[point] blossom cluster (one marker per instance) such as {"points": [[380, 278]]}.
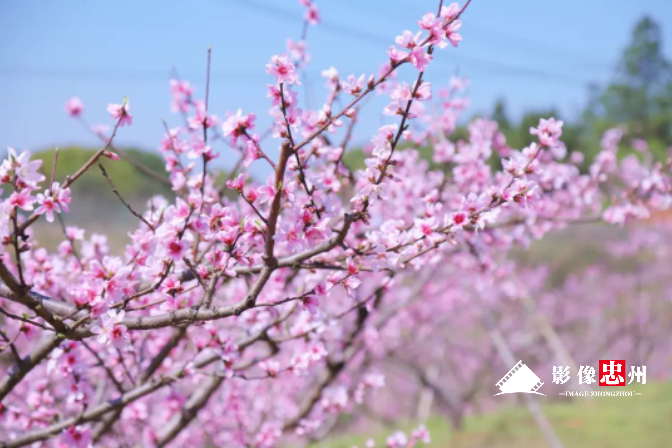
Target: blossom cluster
{"points": [[251, 312]]}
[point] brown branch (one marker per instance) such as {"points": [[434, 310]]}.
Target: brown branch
{"points": [[18, 293], [203, 393], [352, 103], [334, 368], [274, 213], [17, 372], [195, 403], [130, 396], [127, 157], [11, 346], [69, 180], [102, 364], [110, 420], [72, 242], [205, 128], [126, 204], [51, 310], [193, 270], [302, 174], [53, 168], [24, 319], [15, 244]]}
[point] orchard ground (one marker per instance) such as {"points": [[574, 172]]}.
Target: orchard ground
{"points": [[602, 422]]}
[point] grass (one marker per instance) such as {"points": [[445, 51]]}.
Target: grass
{"points": [[603, 422]]}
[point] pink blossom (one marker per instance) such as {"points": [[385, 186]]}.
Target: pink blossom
{"points": [[74, 106], [312, 15], [112, 273], [26, 170], [397, 440], [622, 214], [429, 21], [237, 125], [396, 55], [171, 286], [424, 227], [270, 367], [177, 249], [22, 200], [282, 68], [77, 437], [291, 233], [267, 436], [61, 196], [331, 74], [450, 12], [350, 283], [311, 303], [408, 40], [420, 59], [640, 145], [444, 151], [402, 93], [354, 86], [353, 268], [459, 219], [298, 51], [548, 131], [250, 152], [111, 330], [121, 112], [422, 434], [201, 120], [424, 92], [229, 354], [47, 206], [237, 184], [451, 33]]}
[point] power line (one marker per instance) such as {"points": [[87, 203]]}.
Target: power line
{"points": [[484, 65], [359, 35], [246, 77], [116, 73]]}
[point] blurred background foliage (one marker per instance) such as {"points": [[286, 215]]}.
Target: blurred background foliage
{"points": [[600, 422], [95, 206], [129, 181]]}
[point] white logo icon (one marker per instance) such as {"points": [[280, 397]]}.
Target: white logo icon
{"points": [[520, 379]]}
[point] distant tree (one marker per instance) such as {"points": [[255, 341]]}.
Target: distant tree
{"points": [[500, 115], [640, 95], [516, 132]]}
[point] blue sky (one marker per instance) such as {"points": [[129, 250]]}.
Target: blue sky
{"points": [[533, 53]]}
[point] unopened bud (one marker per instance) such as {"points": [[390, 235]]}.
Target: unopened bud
{"points": [[111, 155]]}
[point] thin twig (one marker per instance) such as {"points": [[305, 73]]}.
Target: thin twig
{"points": [[72, 241], [53, 167], [128, 206]]}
